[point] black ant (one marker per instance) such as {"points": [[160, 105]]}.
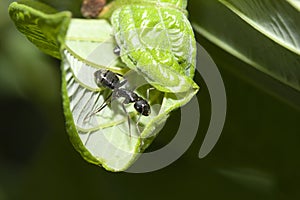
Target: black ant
{"points": [[108, 79]]}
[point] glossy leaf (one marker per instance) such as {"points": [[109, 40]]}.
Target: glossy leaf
{"points": [[278, 21], [262, 33]]}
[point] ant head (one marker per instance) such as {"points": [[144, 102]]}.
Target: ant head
{"points": [[98, 76], [142, 107], [106, 78]]}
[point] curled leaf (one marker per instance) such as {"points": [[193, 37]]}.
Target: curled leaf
{"points": [[41, 24], [157, 41]]}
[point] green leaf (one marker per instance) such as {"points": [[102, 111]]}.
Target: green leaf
{"points": [[104, 138], [41, 24], [262, 33], [277, 21], [295, 4], [157, 40]]}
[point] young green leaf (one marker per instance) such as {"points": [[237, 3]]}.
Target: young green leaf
{"points": [[41, 24], [157, 40]]}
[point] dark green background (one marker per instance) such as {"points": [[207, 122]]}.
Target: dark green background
{"points": [[257, 156]]}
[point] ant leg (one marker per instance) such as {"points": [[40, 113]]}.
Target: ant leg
{"points": [[91, 112], [137, 124], [138, 128], [148, 92], [103, 105], [121, 75], [128, 118], [106, 102], [93, 107]]}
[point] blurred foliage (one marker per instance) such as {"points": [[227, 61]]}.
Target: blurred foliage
{"points": [[264, 34], [257, 156]]}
